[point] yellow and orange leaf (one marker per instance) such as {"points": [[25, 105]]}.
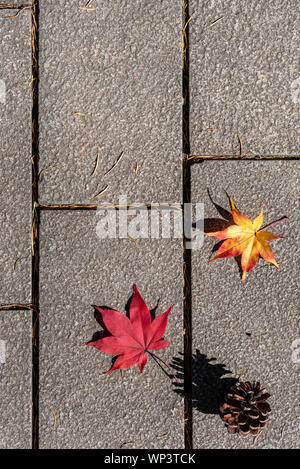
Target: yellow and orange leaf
{"points": [[246, 239]]}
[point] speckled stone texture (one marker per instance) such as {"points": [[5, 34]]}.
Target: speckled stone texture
{"points": [[244, 76], [94, 410], [15, 153], [15, 379], [120, 66], [249, 328]]}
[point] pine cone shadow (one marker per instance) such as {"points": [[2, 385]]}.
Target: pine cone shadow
{"points": [[209, 386]]}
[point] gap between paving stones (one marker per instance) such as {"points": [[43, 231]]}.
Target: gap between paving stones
{"points": [[196, 158], [35, 223], [187, 260]]}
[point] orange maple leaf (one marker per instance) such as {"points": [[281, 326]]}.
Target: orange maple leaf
{"points": [[246, 239]]}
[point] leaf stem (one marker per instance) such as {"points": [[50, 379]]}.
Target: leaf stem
{"points": [[274, 223], [155, 356]]}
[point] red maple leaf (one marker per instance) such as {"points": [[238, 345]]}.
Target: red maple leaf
{"points": [[132, 337]]}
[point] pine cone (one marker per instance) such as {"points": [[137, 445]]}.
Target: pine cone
{"points": [[245, 409]]}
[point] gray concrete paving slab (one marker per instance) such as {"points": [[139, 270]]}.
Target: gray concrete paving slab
{"points": [[15, 170], [94, 410], [15, 379], [110, 83], [251, 328], [244, 76]]}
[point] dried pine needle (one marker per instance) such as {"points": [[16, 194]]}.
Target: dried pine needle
{"points": [[136, 167], [101, 192], [54, 418], [96, 165], [176, 207], [216, 21], [11, 6], [138, 206], [34, 21], [34, 228], [242, 157], [184, 36], [16, 306], [282, 431], [115, 164], [126, 443], [256, 438], [184, 42], [46, 169], [132, 239], [87, 9], [18, 12], [16, 261], [241, 145], [68, 206], [164, 435], [32, 242], [81, 114], [185, 26]]}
